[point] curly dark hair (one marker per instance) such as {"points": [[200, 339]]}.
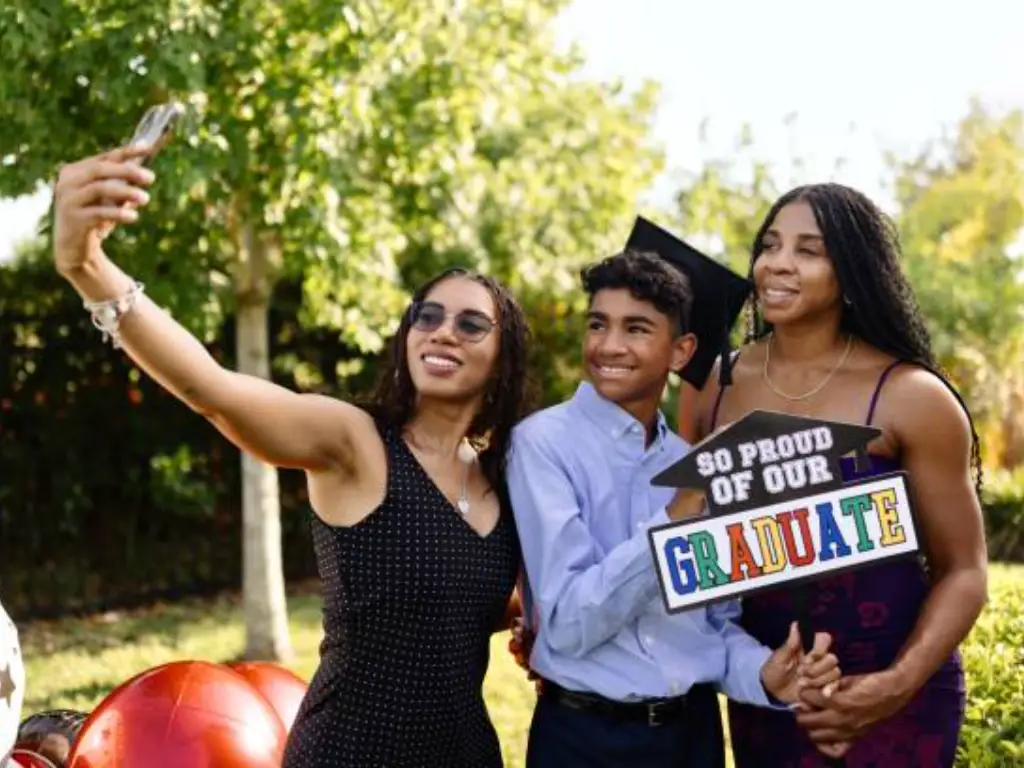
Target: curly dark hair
{"points": [[879, 305], [393, 401], [648, 278]]}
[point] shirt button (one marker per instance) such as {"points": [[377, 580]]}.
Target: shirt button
{"points": [[648, 641]]}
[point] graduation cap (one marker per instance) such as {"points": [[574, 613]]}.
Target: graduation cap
{"points": [[718, 298], [764, 439]]}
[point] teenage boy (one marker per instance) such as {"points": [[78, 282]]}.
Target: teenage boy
{"points": [[624, 683]]}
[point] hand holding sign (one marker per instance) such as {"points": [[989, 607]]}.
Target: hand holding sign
{"points": [[788, 672]]}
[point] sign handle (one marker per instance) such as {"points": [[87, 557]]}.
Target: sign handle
{"points": [[803, 622]]}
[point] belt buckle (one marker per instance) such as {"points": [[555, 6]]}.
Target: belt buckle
{"points": [[652, 714]]}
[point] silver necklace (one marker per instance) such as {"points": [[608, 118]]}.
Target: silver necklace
{"points": [[817, 389], [467, 455]]}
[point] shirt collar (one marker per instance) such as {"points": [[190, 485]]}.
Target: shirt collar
{"points": [[613, 418]]}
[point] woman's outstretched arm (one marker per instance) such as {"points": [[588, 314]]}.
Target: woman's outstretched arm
{"points": [[277, 425]]}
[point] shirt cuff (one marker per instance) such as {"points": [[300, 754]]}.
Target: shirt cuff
{"points": [[750, 670]]}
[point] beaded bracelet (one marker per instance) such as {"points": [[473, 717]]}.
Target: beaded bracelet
{"points": [[106, 315]]}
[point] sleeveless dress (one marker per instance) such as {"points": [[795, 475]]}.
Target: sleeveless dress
{"points": [[411, 596], [870, 613]]}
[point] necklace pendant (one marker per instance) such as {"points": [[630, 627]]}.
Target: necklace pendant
{"points": [[464, 506]]}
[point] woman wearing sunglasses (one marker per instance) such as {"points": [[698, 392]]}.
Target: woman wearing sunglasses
{"points": [[414, 538]]}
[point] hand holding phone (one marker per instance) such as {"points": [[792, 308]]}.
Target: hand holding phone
{"points": [[155, 129], [94, 195]]}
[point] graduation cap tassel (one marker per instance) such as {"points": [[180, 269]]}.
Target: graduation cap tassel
{"points": [[725, 369]]}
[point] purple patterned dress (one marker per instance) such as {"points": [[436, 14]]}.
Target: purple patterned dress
{"points": [[870, 614]]}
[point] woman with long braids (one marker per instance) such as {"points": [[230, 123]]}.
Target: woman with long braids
{"points": [[836, 334], [414, 538]]}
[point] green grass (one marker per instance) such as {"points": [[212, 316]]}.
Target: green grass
{"points": [[75, 663]]}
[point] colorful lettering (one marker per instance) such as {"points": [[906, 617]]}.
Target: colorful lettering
{"points": [[786, 523], [742, 558], [769, 537], [855, 507], [830, 536], [705, 553], [888, 517], [677, 553]]}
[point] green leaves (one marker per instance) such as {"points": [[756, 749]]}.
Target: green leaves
{"points": [[994, 660], [962, 212], [374, 143]]}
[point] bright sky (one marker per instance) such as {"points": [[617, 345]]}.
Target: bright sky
{"points": [[861, 78]]}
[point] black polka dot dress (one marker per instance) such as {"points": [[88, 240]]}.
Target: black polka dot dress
{"points": [[411, 596]]}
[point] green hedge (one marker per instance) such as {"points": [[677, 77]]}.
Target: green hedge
{"points": [[1004, 515], [994, 658]]}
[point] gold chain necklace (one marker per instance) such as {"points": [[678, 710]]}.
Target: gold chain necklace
{"points": [[817, 389]]}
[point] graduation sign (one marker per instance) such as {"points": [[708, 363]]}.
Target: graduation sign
{"points": [[779, 511]]}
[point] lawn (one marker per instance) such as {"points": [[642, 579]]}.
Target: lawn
{"points": [[74, 663]]}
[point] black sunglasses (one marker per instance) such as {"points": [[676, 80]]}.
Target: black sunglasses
{"points": [[470, 325]]}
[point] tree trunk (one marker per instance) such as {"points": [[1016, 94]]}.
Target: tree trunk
{"points": [[263, 594], [1013, 426]]}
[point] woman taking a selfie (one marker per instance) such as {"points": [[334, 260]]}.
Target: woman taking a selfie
{"points": [[414, 539], [837, 336]]}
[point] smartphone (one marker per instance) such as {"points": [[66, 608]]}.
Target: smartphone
{"points": [[156, 127]]}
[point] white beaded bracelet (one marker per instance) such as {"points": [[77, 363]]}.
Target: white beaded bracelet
{"points": [[106, 315]]}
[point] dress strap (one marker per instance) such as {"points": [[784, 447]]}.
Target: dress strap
{"points": [[878, 389]]}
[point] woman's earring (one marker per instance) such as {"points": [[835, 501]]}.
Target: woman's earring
{"points": [[846, 300], [467, 453], [751, 319]]}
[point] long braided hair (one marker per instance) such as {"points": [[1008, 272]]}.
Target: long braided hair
{"points": [[863, 244]]}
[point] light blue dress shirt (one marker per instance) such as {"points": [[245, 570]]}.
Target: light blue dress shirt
{"points": [[579, 476]]}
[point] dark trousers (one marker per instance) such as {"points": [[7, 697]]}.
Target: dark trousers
{"points": [[564, 737]]}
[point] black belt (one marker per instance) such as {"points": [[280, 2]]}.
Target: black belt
{"points": [[654, 712]]}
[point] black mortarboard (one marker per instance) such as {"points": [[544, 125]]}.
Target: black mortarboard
{"points": [[791, 437], [718, 298]]}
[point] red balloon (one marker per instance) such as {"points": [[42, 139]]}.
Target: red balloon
{"points": [[26, 758], [186, 714], [282, 688]]}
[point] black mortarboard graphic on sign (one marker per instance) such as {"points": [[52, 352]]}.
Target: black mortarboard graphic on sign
{"points": [[766, 458], [718, 295]]}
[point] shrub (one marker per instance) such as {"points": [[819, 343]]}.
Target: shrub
{"points": [[993, 736], [1004, 514]]}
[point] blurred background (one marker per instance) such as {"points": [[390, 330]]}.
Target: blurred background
{"points": [[335, 154]]}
